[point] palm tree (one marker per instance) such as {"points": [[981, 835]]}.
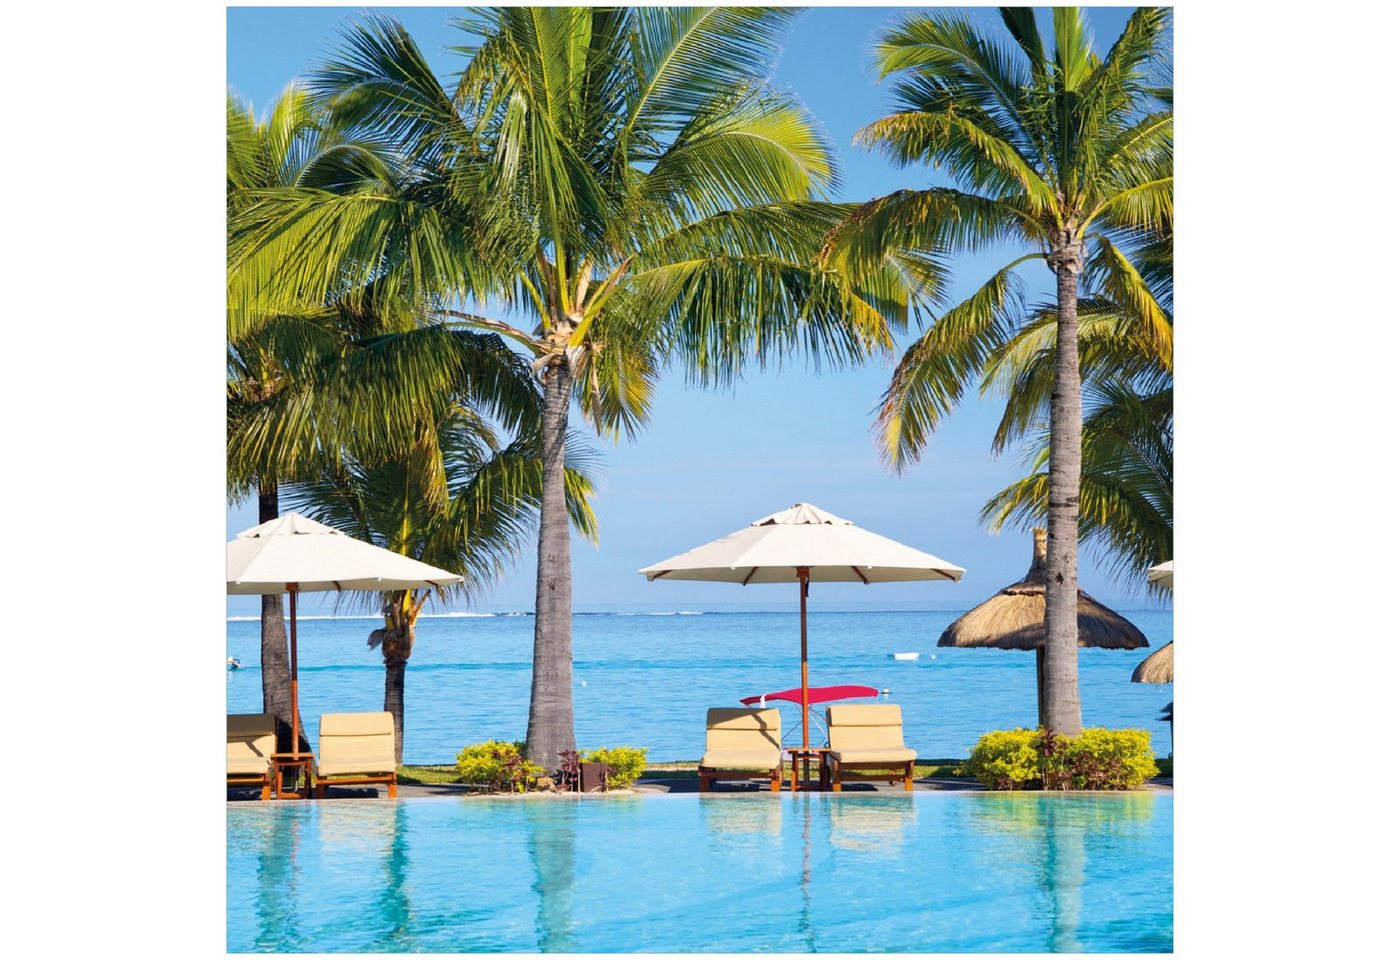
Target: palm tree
{"points": [[303, 381], [1125, 497], [1125, 503], [1062, 151], [265, 156], [477, 532], [625, 180]]}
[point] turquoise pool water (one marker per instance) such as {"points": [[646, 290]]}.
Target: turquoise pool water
{"points": [[926, 872]]}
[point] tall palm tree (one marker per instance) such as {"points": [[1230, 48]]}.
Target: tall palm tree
{"points": [[1125, 497], [1056, 149], [632, 189], [266, 156], [1125, 503], [304, 380], [493, 494]]}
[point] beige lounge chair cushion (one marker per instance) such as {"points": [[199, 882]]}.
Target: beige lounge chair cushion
{"points": [[252, 740], [760, 760], [356, 744], [901, 755], [742, 738], [867, 733]]}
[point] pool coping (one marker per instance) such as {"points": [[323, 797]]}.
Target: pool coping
{"points": [[679, 786]]}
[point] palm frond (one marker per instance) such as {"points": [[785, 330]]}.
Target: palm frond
{"points": [[685, 59], [1112, 344], [950, 65], [930, 378], [1126, 484], [937, 221], [1110, 270], [973, 154], [752, 147]]}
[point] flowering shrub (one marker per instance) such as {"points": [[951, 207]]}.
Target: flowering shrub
{"points": [[1006, 759], [498, 765], [1103, 759], [625, 764], [1098, 759]]}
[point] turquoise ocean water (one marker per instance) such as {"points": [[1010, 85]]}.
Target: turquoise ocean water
{"points": [[645, 678]]}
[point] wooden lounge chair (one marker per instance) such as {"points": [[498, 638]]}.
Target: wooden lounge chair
{"points": [[867, 737], [356, 748], [741, 744], [252, 740]]}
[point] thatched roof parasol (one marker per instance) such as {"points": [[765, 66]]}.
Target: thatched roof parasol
{"points": [[1155, 669], [1014, 619]]}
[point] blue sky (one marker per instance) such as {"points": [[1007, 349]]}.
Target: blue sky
{"points": [[711, 461]]}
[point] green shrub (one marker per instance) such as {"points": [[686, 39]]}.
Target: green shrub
{"points": [[1006, 759], [625, 764], [1098, 759], [1103, 759], [498, 765]]}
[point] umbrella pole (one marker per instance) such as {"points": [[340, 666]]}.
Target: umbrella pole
{"points": [[296, 712], [802, 577]]}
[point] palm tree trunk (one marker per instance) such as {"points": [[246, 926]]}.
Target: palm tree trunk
{"points": [[395, 641], [276, 665], [551, 727], [1062, 708], [393, 701]]}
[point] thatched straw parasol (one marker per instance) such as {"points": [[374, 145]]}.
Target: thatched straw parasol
{"points": [[1014, 619], [1157, 668]]}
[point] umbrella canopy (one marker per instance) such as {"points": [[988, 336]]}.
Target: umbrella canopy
{"points": [[801, 545], [294, 550], [814, 694], [1157, 668], [831, 549], [1014, 619], [292, 555], [1162, 573]]}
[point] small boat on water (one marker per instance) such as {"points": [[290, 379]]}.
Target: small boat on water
{"points": [[905, 656], [233, 663]]}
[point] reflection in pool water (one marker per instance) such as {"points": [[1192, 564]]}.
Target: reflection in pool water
{"points": [[733, 873]]}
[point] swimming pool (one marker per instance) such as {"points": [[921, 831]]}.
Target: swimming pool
{"points": [[928, 872]]}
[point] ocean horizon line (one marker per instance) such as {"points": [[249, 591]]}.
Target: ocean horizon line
{"points": [[777, 611]]}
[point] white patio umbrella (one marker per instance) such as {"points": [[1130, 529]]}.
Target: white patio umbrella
{"points": [[1162, 573], [292, 555], [803, 544]]}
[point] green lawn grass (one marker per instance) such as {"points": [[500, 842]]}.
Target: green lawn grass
{"points": [[432, 773], [685, 770], [447, 773]]}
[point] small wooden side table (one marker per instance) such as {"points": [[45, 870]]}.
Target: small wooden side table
{"points": [[806, 755], [292, 761]]}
